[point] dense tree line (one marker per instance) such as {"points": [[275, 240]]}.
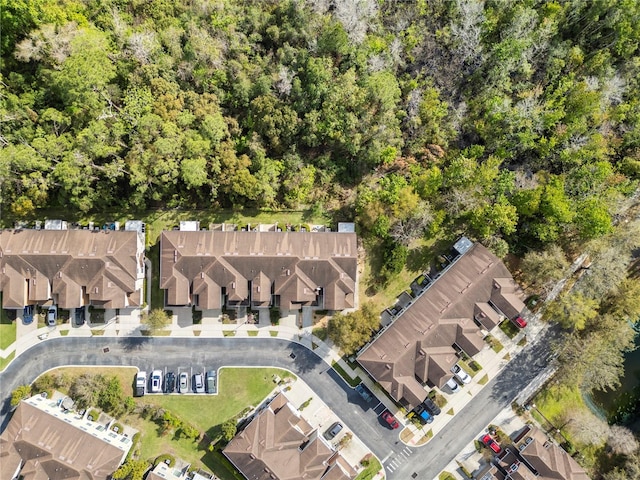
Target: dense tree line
{"points": [[517, 121]]}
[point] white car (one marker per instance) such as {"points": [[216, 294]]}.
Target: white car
{"points": [[460, 374], [52, 315], [453, 385], [198, 383], [183, 384], [156, 381]]}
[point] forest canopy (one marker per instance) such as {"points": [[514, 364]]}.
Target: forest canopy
{"points": [[518, 121]]}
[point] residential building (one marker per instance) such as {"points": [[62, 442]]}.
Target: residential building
{"points": [[71, 268], [421, 344], [542, 459], [258, 269], [43, 441], [278, 444]]}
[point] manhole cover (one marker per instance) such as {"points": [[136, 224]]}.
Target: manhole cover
{"points": [[292, 355], [105, 349]]}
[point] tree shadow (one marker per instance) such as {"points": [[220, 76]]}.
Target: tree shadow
{"points": [[304, 360], [132, 344]]}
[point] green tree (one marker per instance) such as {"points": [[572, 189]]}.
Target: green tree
{"points": [[19, 394], [572, 310], [229, 429], [82, 79], [593, 219], [157, 320], [352, 330], [132, 470], [544, 268], [110, 396]]}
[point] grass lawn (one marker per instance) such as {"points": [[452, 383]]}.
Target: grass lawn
{"points": [[421, 254], [239, 388], [494, 343], [509, 328], [555, 400], [5, 361], [126, 375], [7, 328], [371, 470], [446, 476], [351, 381], [166, 219], [7, 334]]}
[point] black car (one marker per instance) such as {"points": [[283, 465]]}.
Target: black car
{"points": [[431, 407], [169, 382], [80, 316]]}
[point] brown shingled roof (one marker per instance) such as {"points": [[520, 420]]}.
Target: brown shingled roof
{"points": [[550, 461], [279, 444], [37, 265], [53, 449], [409, 350], [296, 266]]}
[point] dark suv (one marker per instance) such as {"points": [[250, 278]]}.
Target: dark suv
{"points": [[333, 430], [169, 382], [431, 407]]}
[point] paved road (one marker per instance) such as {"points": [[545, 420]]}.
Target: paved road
{"points": [[401, 462], [467, 424], [149, 353]]}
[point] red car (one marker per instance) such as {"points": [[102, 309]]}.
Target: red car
{"points": [[390, 419], [519, 322], [491, 443]]}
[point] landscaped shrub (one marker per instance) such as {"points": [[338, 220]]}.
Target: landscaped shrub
{"points": [[94, 415], [165, 458], [116, 427], [274, 314]]}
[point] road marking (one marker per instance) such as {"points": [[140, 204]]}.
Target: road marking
{"points": [[387, 457], [408, 450]]}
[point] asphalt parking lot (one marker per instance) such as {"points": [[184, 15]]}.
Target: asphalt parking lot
{"points": [[177, 369]]}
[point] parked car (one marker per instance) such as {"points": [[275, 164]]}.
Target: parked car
{"points": [[519, 322], [460, 374], [452, 385], [141, 384], [169, 382], [183, 386], [333, 430], [210, 381], [27, 315], [156, 381], [388, 417], [198, 383], [431, 407], [491, 443], [80, 316], [52, 315], [423, 415], [364, 392]]}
